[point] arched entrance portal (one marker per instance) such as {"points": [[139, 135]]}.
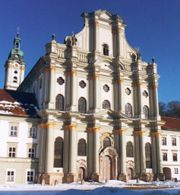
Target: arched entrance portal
{"points": [[167, 173], [107, 168], [81, 173], [108, 164], [129, 173]]}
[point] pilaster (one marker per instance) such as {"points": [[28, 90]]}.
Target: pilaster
{"points": [[52, 85], [70, 153], [121, 138], [93, 158], [140, 161]]}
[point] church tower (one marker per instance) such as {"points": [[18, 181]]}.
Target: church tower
{"points": [[14, 66]]}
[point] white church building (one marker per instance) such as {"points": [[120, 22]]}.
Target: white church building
{"points": [[88, 109]]}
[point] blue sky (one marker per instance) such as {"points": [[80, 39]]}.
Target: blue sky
{"points": [[153, 26]]}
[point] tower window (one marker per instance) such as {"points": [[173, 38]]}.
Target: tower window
{"points": [[105, 50], [15, 79], [15, 72]]}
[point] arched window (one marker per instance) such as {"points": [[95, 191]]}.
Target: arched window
{"points": [[106, 105], [105, 50], [148, 155], [82, 147], [129, 149], [106, 142], [128, 110], [58, 152], [82, 105], [60, 102], [146, 112]]}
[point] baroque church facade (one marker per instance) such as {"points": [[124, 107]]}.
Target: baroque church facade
{"points": [[88, 108]]}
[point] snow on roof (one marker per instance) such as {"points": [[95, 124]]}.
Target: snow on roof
{"points": [[17, 103]]}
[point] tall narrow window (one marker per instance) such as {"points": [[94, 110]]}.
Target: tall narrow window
{"points": [[129, 149], [13, 130], [106, 142], [165, 156], [60, 102], [148, 155], [173, 141], [32, 152], [128, 110], [174, 155], [82, 105], [33, 132], [146, 112], [164, 141], [15, 79], [30, 176], [12, 152], [105, 50], [106, 105], [82, 147], [58, 152], [10, 176]]}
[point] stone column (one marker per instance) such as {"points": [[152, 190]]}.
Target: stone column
{"points": [[154, 156], [138, 110], [142, 152], [137, 154], [93, 158], [140, 161], [48, 151], [71, 90], [122, 93], [94, 92], [66, 152], [52, 87], [42, 149], [160, 174], [122, 150], [89, 152], [74, 87], [118, 94], [97, 89], [153, 99], [70, 157], [50, 147]]}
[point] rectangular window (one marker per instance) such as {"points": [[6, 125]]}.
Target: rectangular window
{"points": [[174, 156], [173, 141], [164, 141], [12, 152], [30, 176], [175, 170], [10, 176], [33, 132], [31, 152], [13, 131], [164, 156]]}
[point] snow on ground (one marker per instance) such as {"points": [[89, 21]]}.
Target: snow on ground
{"points": [[112, 187]]}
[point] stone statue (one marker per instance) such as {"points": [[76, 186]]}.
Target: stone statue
{"points": [[70, 41]]}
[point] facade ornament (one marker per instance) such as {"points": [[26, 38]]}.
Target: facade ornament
{"points": [[53, 37], [153, 60], [71, 41]]}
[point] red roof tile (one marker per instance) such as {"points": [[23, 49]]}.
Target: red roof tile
{"points": [[171, 123]]}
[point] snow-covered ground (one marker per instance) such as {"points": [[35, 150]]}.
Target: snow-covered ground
{"points": [[109, 188]]}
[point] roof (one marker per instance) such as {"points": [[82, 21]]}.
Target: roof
{"points": [[18, 103], [171, 123]]}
